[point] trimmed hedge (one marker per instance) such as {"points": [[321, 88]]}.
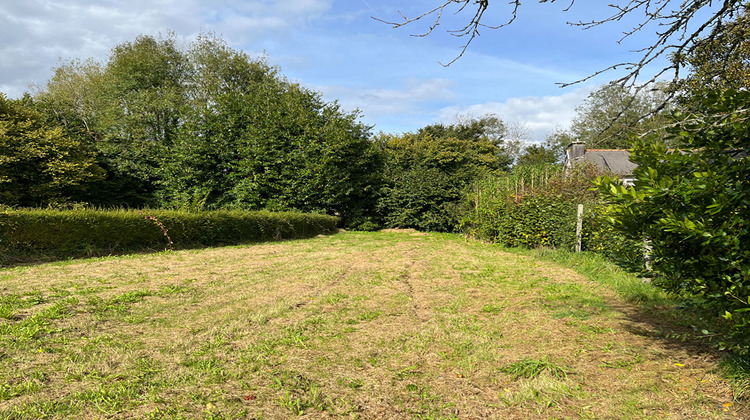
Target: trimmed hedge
{"points": [[45, 235]]}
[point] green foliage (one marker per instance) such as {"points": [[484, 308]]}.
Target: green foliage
{"points": [[207, 127], [537, 155], [30, 235], [516, 210], [39, 164], [611, 115], [693, 206], [535, 206], [143, 100], [599, 236], [128, 110], [538, 220], [720, 61], [487, 202], [266, 143], [426, 173]]}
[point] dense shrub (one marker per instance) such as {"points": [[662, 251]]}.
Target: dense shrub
{"points": [[538, 220], [536, 206], [37, 235], [598, 235], [694, 206], [426, 173]]}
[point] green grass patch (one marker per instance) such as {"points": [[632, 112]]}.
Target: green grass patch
{"points": [[353, 325], [531, 368]]}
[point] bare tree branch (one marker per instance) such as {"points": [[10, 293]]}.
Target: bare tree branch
{"points": [[680, 23]]}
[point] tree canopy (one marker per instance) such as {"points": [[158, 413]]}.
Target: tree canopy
{"points": [[39, 164], [207, 127], [426, 172], [717, 63], [612, 116]]}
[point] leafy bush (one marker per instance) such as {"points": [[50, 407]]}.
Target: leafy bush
{"points": [[538, 220], [33, 235], [598, 235], [694, 206], [536, 206], [426, 173], [491, 198]]}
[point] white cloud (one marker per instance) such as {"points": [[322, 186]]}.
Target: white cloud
{"points": [[37, 33], [539, 115], [409, 98]]}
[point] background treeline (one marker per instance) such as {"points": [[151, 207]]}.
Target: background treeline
{"points": [[205, 127], [202, 127]]}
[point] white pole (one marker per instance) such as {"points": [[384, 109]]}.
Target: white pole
{"points": [[579, 227]]}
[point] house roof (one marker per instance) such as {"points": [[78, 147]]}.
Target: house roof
{"points": [[616, 161]]}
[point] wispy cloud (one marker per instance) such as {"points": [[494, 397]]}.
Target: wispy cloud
{"points": [[410, 97], [539, 115]]}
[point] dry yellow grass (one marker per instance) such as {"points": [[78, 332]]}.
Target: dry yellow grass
{"points": [[355, 325]]}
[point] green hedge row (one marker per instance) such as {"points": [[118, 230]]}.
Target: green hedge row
{"points": [[543, 213], [44, 235]]}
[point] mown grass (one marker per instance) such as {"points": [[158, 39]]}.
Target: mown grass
{"points": [[355, 325]]}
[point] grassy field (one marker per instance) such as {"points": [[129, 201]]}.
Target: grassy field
{"points": [[354, 325]]}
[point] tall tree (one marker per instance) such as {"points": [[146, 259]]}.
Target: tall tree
{"points": [[251, 139], [720, 62], [612, 116], [143, 103], [488, 128], [73, 97], [39, 164], [426, 172], [537, 154], [127, 110], [715, 65]]}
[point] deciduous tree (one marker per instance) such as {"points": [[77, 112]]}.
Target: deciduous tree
{"points": [[251, 139], [39, 164], [426, 172], [612, 116]]}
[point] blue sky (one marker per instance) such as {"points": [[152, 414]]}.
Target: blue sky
{"points": [[336, 48]]}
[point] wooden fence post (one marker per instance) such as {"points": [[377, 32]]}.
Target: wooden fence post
{"points": [[579, 228]]}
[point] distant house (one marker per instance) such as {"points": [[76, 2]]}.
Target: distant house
{"points": [[614, 161]]}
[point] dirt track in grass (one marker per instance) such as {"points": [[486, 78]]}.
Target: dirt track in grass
{"points": [[355, 325]]}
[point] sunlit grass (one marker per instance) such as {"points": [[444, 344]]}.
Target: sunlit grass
{"points": [[355, 325]]}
